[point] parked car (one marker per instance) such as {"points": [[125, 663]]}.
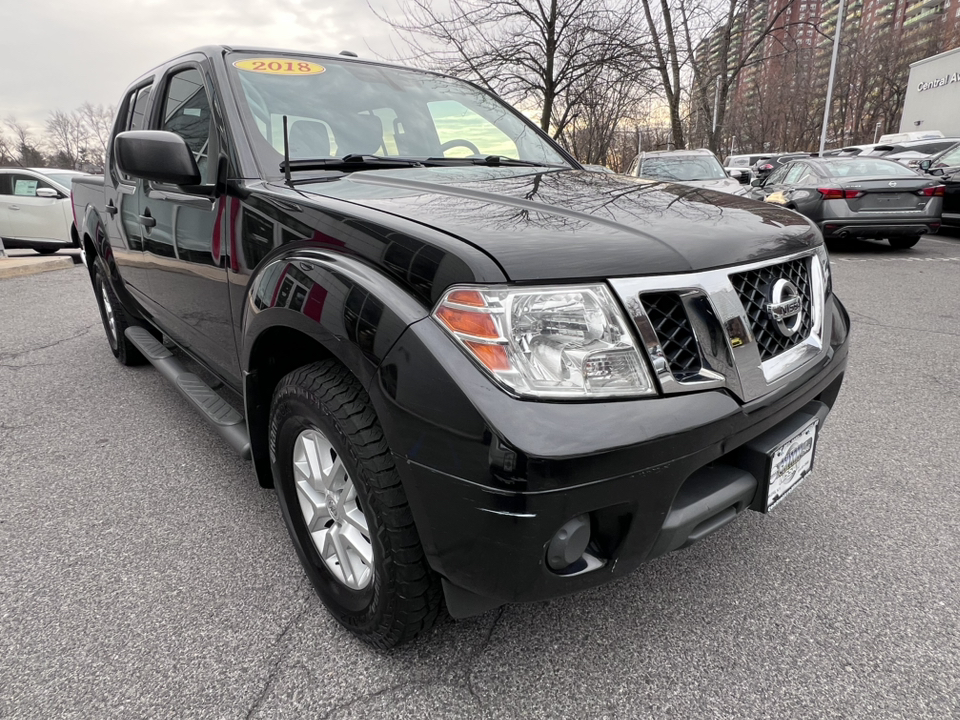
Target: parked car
{"points": [[474, 372], [743, 165], [763, 167], [912, 152], [699, 168], [915, 136], [945, 168], [35, 209], [851, 150], [860, 197]]}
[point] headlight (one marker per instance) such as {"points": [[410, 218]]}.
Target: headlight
{"points": [[558, 342], [824, 258]]}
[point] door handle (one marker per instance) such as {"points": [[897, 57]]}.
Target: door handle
{"points": [[148, 221], [111, 209], [14, 207]]}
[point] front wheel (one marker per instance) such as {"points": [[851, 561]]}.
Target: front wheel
{"points": [[903, 243], [346, 511]]}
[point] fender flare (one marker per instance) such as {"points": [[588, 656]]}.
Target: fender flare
{"points": [[325, 279], [348, 310]]}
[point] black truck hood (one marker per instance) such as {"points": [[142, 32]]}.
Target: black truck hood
{"points": [[542, 224]]}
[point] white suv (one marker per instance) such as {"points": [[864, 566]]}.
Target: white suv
{"points": [[35, 209]]}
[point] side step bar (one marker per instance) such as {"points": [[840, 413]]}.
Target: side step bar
{"points": [[217, 411]]}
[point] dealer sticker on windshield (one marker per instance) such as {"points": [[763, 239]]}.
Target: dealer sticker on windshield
{"points": [[790, 463], [279, 66]]}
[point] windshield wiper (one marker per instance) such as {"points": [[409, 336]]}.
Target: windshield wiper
{"points": [[353, 161], [491, 160]]}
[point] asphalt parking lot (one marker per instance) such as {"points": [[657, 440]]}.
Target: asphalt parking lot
{"points": [[145, 574]]}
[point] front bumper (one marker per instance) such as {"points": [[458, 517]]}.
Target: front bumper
{"points": [[491, 478]]}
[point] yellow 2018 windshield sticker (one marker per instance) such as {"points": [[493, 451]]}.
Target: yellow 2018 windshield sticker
{"points": [[279, 66]]}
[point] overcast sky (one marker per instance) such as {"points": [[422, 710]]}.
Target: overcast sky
{"points": [[56, 54]]}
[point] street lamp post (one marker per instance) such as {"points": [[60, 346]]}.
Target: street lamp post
{"points": [[833, 72], [876, 132]]}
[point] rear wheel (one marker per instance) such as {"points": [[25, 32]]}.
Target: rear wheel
{"points": [[115, 321], [903, 243], [346, 511]]}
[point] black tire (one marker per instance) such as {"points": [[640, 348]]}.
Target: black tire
{"points": [[122, 349], [404, 597], [46, 251], [904, 243]]}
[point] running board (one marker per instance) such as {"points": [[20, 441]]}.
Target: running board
{"points": [[217, 411]]}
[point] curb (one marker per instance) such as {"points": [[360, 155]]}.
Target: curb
{"points": [[20, 269]]}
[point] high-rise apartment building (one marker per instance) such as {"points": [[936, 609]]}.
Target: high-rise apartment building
{"points": [[788, 72]]}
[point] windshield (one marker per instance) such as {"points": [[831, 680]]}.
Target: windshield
{"points": [[337, 108], [681, 168], [863, 167], [62, 178]]}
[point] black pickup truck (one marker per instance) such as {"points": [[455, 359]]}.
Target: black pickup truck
{"points": [[474, 372]]}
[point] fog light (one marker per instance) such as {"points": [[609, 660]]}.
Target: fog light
{"points": [[569, 544]]}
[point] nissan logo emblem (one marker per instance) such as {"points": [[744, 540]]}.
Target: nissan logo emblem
{"points": [[785, 307]]}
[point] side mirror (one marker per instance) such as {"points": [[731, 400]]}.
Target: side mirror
{"points": [[735, 174], [925, 165], [47, 193], [156, 155], [756, 182]]}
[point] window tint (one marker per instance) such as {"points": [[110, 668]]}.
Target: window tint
{"points": [[186, 112], [6, 187]]}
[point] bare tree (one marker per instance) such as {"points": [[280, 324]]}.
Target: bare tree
{"points": [[608, 99], [69, 137], [98, 121], [27, 154], [536, 52], [8, 155]]}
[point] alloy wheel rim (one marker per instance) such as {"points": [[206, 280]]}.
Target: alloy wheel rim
{"points": [[331, 510], [108, 311]]}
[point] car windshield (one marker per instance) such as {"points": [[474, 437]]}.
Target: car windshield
{"points": [[864, 167], [62, 178], [337, 108], [681, 168]]}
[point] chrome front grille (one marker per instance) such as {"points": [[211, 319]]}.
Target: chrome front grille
{"points": [[754, 288], [713, 329], [670, 322]]}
